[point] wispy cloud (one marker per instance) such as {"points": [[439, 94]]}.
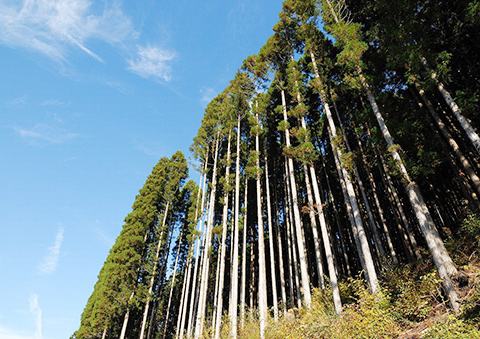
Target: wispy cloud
{"points": [[36, 312], [50, 261], [207, 94], [54, 102], [153, 149], [19, 101], [46, 132], [107, 239], [54, 27], [152, 62]]}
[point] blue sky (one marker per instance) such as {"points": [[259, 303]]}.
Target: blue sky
{"points": [[92, 94]]}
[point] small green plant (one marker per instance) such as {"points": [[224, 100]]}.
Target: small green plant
{"points": [[471, 227]]}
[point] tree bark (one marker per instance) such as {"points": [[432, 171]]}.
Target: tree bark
{"points": [[441, 258], [219, 306], [467, 127], [296, 213], [244, 265], [206, 258], [270, 243]]}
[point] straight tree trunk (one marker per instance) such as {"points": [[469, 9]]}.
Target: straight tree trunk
{"points": [[291, 244], [362, 244], [104, 333], [467, 127], [373, 186], [186, 283], [296, 213], [444, 264], [287, 221], [398, 207], [475, 180], [270, 242], [280, 259], [371, 219], [262, 275], [125, 319], [219, 306], [313, 221], [234, 275], [337, 302], [171, 288], [200, 241], [338, 223], [206, 258], [244, 265]]}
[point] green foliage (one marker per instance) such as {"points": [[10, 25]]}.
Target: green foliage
{"points": [[348, 161], [451, 327], [283, 126], [473, 11], [412, 292], [368, 316], [471, 228]]}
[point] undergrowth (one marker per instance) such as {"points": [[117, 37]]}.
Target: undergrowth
{"points": [[409, 304]]}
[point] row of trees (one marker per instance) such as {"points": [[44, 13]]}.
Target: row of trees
{"points": [[345, 144]]}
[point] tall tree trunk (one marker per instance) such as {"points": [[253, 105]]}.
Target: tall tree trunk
{"points": [[270, 242], [451, 142], [125, 319], [186, 283], [280, 258], [398, 207], [172, 287], [199, 322], [316, 240], [371, 219], [441, 258], [467, 127], [244, 265], [337, 302], [293, 267], [338, 223], [200, 241], [219, 306], [359, 231], [373, 186], [287, 221], [296, 213], [313, 222], [234, 275], [262, 275], [362, 244]]}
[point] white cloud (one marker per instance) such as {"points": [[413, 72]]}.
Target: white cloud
{"points": [[36, 312], [53, 27], [152, 62], [46, 132], [50, 261]]}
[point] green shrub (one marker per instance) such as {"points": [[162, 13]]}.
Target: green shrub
{"points": [[412, 293], [452, 328]]}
